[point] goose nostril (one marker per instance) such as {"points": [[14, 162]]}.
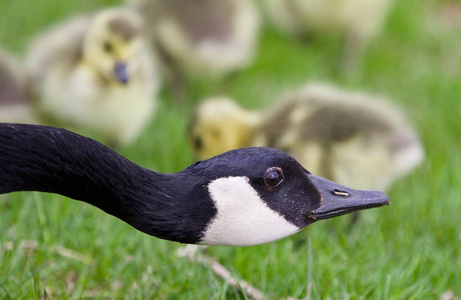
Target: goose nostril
{"points": [[341, 193]]}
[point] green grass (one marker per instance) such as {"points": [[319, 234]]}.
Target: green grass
{"points": [[410, 250]]}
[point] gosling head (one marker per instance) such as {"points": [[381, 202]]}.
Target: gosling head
{"points": [[262, 194], [219, 125], [113, 45]]}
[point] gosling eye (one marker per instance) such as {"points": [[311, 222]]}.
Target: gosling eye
{"points": [[273, 177], [198, 143], [107, 47]]}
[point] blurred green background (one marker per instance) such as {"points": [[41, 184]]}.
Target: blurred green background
{"points": [[410, 250]]}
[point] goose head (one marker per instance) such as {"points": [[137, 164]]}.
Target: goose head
{"points": [[113, 44], [260, 195], [219, 125]]}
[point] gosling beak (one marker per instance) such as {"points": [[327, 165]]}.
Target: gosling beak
{"points": [[121, 73], [339, 200]]}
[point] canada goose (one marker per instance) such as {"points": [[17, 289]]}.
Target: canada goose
{"points": [[203, 38], [243, 197], [328, 130], [14, 104], [358, 20], [95, 73]]}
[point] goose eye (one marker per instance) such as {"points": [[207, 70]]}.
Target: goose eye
{"points": [[273, 177], [107, 47]]}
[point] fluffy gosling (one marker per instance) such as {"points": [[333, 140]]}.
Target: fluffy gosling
{"points": [[356, 139], [358, 20], [97, 74], [202, 38]]}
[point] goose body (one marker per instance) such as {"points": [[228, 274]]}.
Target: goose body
{"points": [[243, 197], [204, 38], [95, 73], [355, 139], [14, 102]]}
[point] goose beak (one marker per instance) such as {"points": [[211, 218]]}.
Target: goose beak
{"points": [[339, 200], [121, 73]]}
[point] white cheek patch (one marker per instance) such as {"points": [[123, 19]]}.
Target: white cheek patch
{"points": [[243, 219]]}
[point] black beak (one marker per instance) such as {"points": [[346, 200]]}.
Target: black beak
{"points": [[339, 200], [121, 72]]}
